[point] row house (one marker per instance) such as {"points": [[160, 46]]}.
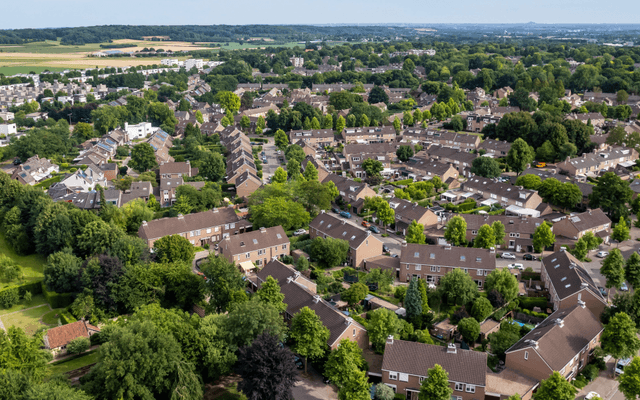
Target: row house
{"points": [[596, 119], [362, 244], [406, 212], [576, 225], [459, 159], [424, 169], [246, 184], [377, 134], [475, 122], [501, 111], [457, 141], [323, 172], [314, 137], [172, 170], [168, 189], [569, 283], [405, 365], [591, 164], [356, 154], [350, 191], [257, 247], [495, 148], [262, 111], [300, 292], [201, 228], [238, 167], [34, 170], [504, 194], [433, 262], [161, 142]]}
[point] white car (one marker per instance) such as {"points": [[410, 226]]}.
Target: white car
{"points": [[592, 395], [602, 254], [509, 256], [516, 266], [299, 232]]}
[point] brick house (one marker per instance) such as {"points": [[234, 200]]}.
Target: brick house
{"points": [[34, 170], [433, 262], [503, 193], [476, 122], [591, 164], [258, 247], [313, 137], [406, 212], [246, 184], [569, 283], [171, 170], [406, 364], [352, 192], [378, 134], [299, 292], [199, 228], [362, 244], [461, 160], [56, 339], [356, 154], [564, 342], [420, 168], [495, 148], [575, 226]]}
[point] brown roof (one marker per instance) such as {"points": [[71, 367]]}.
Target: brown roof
{"points": [[170, 226], [62, 335], [561, 336], [339, 229], [465, 366], [251, 241], [450, 256], [383, 262], [589, 220], [176, 168], [568, 276], [408, 211]]}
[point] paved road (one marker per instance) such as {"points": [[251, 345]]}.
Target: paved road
{"points": [[272, 164], [311, 387]]}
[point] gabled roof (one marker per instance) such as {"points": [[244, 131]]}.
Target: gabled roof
{"points": [[339, 229], [588, 220], [464, 366], [62, 335], [561, 336], [568, 276], [169, 226], [255, 240], [407, 210], [451, 256]]}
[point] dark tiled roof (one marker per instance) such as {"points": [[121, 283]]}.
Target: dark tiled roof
{"points": [[255, 240], [339, 229], [568, 275], [465, 366], [589, 220], [408, 211], [169, 226], [450, 256]]}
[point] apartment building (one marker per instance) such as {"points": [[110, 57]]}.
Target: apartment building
{"points": [[362, 243], [314, 137], [406, 364], [576, 225], [199, 228], [433, 262], [258, 247], [377, 134]]}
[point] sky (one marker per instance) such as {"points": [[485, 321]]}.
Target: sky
{"points": [[68, 13]]}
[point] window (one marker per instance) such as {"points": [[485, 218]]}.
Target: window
{"points": [[418, 267], [433, 269], [422, 378], [463, 258], [226, 226], [404, 377], [232, 225], [216, 229], [198, 232], [479, 272], [354, 332], [416, 255], [526, 355], [191, 234], [261, 252], [459, 387], [393, 376], [191, 241], [248, 255], [474, 232], [284, 247], [471, 389], [432, 256], [208, 230]]}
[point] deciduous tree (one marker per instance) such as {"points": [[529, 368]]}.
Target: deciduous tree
{"points": [[457, 287], [613, 269], [415, 233], [270, 293], [341, 361], [543, 237], [504, 282], [519, 155], [174, 248], [456, 231], [469, 328], [436, 385], [555, 387], [143, 158], [308, 334]]}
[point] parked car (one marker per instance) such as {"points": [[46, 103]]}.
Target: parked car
{"points": [[540, 165], [602, 254], [516, 266], [299, 232], [385, 248], [509, 256], [592, 395], [624, 287], [366, 224], [620, 366], [336, 210], [603, 291], [345, 214], [529, 257], [374, 229]]}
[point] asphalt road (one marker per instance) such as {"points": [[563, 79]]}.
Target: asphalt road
{"points": [[272, 164]]}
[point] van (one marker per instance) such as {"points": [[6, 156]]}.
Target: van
{"points": [[620, 366]]}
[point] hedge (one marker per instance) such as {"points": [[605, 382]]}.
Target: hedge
{"points": [[403, 182], [66, 318], [57, 300], [531, 302], [33, 287]]}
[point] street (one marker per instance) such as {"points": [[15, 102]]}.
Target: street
{"points": [[272, 164]]}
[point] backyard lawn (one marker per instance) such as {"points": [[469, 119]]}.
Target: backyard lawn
{"points": [[37, 300], [29, 320], [73, 363], [32, 265]]}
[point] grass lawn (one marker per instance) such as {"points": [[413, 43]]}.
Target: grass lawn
{"points": [[25, 69], [51, 318], [32, 265], [29, 320], [227, 393], [37, 300], [73, 363]]}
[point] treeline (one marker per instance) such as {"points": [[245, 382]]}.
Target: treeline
{"points": [[117, 45]]}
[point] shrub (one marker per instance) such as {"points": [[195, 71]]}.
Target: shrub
{"points": [[9, 297], [531, 302], [78, 345], [66, 318], [590, 372], [57, 300]]}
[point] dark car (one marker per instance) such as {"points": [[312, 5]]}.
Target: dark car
{"points": [[529, 257], [603, 291], [374, 229], [385, 248]]}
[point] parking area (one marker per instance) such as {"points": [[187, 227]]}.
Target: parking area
{"points": [[271, 154], [311, 387]]}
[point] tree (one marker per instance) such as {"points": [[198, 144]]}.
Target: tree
{"points": [[341, 361], [378, 95], [159, 369], [54, 389], [83, 131], [293, 169], [384, 392], [456, 231], [504, 282], [281, 139], [78, 345], [469, 328], [486, 167], [267, 369], [382, 324], [413, 301], [245, 123], [143, 158], [407, 118], [136, 212], [481, 309], [355, 294], [498, 231], [213, 167], [270, 293], [97, 237], [329, 251], [280, 175], [520, 155], [61, 271], [248, 319], [308, 334], [23, 353], [620, 231], [436, 385], [310, 172], [276, 211], [613, 269], [612, 195], [225, 283], [228, 100], [174, 248], [529, 181], [340, 124], [457, 287], [356, 386], [486, 238], [507, 336], [397, 125], [632, 270], [415, 233], [372, 167], [555, 387], [543, 237], [619, 337], [630, 380], [404, 152]]}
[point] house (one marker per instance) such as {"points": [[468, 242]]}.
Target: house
{"points": [[420, 168], [503, 193], [406, 364], [8, 129], [314, 137], [168, 189], [406, 212], [238, 167], [34, 170], [172, 170], [569, 283], [564, 343], [433, 262], [378, 134], [199, 228], [299, 292], [461, 160], [246, 184], [362, 244], [257, 247], [596, 118], [84, 180], [356, 154], [57, 339], [575, 226], [476, 122], [139, 131], [352, 192], [591, 164], [495, 148], [161, 142]]}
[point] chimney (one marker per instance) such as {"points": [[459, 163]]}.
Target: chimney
{"points": [[451, 348], [344, 221], [582, 304], [349, 320], [404, 243], [144, 223], [322, 212], [390, 339], [263, 229], [559, 322], [180, 216], [492, 250]]}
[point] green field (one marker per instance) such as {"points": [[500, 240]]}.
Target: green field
{"points": [[36, 300], [7, 71], [252, 45], [32, 265], [29, 320], [49, 47]]}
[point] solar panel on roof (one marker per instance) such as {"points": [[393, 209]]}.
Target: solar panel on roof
{"points": [[27, 167]]}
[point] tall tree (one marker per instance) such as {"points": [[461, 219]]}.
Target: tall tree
{"points": [[355, 387], [519, 155], [310, 172], [613, 269], [498, 231], [469, 328], [413, 301], [355, 294], [213, 167], [612, 195], [486, 167], [270, 293], [281, 139], [225, 284], [632, 270], [415, 233], [436, 385], [456, 231], [620, 231], [555, 387], [481, 309], [143, 158], [248, 319], [308, 334], [341, 361], [619, 338], [543, 237], [279, 176], [457, 287], [504, 282], [486, 238], [381, 324], [404, 152], [174, 248]]}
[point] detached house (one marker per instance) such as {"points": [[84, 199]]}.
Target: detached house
{"points": [[257, 247], [406, 212], [575, 226], [34, 170], [362, 244], [433, 262], [57, 339], [406, 364], [569, 283]]}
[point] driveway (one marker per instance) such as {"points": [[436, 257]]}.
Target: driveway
{"points": [[311, 387], [393, 241]]}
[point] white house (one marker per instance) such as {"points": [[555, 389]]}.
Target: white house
{"points": [[8, 129], [192, 62], [139, 131]]}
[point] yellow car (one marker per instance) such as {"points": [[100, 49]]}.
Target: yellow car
{"points": [[540, 165]]}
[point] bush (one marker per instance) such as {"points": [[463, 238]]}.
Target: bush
{"points": [[57, 300], [97, 338], [531, 302], [590, 372], [78, 345], [9, 297], [580, 382], [66, 318]]}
